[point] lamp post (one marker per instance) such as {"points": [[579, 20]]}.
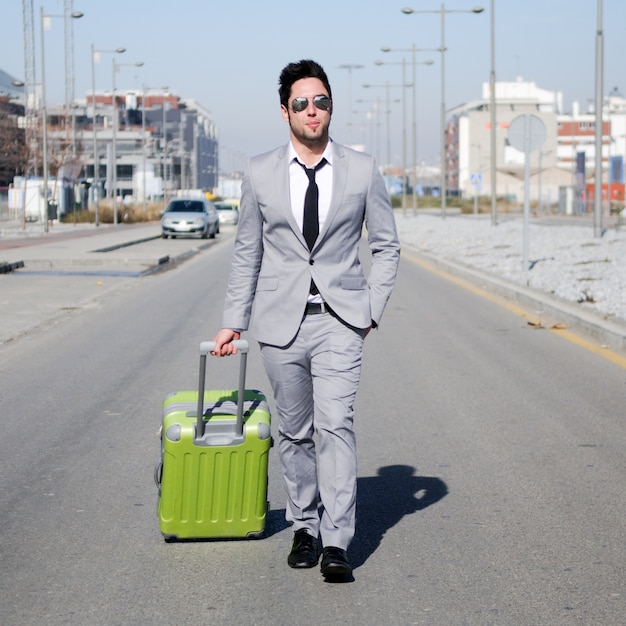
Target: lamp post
{"points": [[404, 86], [492, 118], [377, 102], [414, 62], [114, 139], [44, 114], [597, 199], [21, 84], [350, 67], [164, 151], [387, 86], [143, 137], [443, 11], [96, 160]]}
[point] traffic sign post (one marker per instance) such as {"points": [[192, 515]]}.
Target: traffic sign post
{"points": [[476, 179], [527, 133]]}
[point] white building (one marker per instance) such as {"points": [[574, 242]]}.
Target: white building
{"points": [[553, 167]]}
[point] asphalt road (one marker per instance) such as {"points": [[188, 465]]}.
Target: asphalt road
{"points": [[491, 469]]}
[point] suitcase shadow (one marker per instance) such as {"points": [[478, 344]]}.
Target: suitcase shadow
{"points": [[275, 522], [383, 500]]}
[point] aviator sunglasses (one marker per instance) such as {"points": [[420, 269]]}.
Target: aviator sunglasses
{"points": [[300, 104]]}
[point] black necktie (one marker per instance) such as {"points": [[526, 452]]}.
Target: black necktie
{"points": [[310, 220]]}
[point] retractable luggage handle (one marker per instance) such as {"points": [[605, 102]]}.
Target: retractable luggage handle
{"points": [[205, 348]]}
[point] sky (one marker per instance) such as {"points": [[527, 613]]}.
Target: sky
{"points": [[227, 55]]}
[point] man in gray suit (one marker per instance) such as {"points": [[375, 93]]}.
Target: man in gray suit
{"points": [[313, 305]]}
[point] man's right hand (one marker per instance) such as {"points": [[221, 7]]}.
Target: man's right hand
{"points": [[223, 342]]}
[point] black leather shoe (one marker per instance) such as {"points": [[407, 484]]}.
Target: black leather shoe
{"points": [[304, 551], [335, 563]]}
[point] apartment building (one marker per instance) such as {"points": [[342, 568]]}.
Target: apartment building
{"points": [[564, 163], [160, 144]]}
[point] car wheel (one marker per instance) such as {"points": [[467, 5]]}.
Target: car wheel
{"points": [[164, 235], [205, 233], [213, 232]]}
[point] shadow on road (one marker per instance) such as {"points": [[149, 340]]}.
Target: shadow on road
{"points": [[275, 522], [383, 500]]}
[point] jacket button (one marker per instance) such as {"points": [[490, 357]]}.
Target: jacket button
{"points": [[311, 262]]}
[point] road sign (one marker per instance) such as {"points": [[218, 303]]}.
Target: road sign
{"points": [[527, 132]]}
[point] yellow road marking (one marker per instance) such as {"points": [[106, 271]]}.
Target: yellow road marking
{"points": [[568, 335]]}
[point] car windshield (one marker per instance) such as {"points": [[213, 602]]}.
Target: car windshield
{"points": [[191, 206], [224, 207]]}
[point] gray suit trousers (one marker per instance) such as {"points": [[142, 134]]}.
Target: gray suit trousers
{"points": [[315, 380]]}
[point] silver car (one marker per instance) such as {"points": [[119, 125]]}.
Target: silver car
{"points": [[228, 213], [190, 216]]}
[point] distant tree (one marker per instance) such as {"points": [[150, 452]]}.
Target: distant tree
{"points": [[13, 150]]}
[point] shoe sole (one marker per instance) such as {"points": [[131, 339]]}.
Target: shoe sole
{"points": [[303, 564], [337, 570]]}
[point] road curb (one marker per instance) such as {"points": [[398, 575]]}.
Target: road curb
{"points": [[608, 332], [5, 268], [127, 243]]}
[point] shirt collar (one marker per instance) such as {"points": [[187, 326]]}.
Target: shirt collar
{"points": [[328, 153]]}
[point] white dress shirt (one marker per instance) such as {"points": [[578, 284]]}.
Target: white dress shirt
{"points": [[299, 181]]}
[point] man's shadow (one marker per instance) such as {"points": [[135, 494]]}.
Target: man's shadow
{"points": [[383, 500]]}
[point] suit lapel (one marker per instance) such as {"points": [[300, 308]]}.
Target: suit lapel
{"points": [[283, 190], [340, 177]]}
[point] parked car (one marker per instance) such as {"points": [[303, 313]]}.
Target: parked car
{"points": [[228, 213], [190, 216]]}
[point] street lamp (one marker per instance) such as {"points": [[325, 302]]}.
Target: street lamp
{"points": [[143, 136], [114, 141], [413, 50], [21, 84], [443, 11], [404, 86], [164, 151], [492, 118], [96, 160], [377, 102], [387, 86], [350, 67], [599, 79], [44, 115]]}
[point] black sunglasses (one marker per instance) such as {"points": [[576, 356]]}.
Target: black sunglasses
{"points": [[323, 103]]}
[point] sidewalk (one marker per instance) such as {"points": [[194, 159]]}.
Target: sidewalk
{"points": [[71, 267], [46, 276], [84, 246]]}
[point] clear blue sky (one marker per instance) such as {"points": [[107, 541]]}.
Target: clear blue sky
{"points": [[227, 55]]}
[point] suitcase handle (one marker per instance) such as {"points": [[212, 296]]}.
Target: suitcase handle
{"points": [[205, 348]]}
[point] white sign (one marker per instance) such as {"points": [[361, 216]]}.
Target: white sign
{"points": [[527, 133]]}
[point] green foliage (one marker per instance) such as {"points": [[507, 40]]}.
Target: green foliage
{"points": [[465, 204], [128, 214]]}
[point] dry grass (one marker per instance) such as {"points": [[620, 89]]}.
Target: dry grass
{"points": [[129, 214]]}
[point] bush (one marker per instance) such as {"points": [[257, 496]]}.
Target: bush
{"points": [[128, 214]]}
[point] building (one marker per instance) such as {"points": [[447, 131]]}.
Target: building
{"points": [[170, 139], [160, 145], [566, 160]]}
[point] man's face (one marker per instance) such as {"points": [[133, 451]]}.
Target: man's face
{"points": [[309, 126]]}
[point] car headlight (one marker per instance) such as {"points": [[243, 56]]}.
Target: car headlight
{"points": [[199, 221], [167, 221]]}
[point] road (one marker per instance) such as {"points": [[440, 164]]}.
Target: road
{"points": [[491, 470]]}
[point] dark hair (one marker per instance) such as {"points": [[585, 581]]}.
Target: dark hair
{"points": [[296, 71]]}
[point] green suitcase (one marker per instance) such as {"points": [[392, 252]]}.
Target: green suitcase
{"points": [[212, 476]]}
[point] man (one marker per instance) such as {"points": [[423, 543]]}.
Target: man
{"points": [[313, 305]]}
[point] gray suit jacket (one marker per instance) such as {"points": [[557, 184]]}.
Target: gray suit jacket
{"points": [[272, 266]]}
